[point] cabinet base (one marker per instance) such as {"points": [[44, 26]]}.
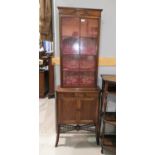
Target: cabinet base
{"points": [[63, 128], [51, 95]]}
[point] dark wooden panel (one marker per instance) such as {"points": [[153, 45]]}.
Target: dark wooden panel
{"points": [[68, 109], [43, 83], [79, 11], [51, 78], [78, 107], [88, 110]]}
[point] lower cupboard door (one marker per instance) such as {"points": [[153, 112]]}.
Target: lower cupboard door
{"points": [[67, 109], [88, 110]]}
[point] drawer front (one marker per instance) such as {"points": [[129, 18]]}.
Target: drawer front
{"points": [[80, 12], [86, 94], [67, 95], [79, 94]]}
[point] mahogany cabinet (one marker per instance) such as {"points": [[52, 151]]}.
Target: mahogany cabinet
{"points": [[77, 96]]}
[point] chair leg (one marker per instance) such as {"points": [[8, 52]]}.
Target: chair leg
{"points": [[97, 134], [102, 150]]}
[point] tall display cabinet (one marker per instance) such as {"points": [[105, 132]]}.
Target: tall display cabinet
{"points": [[77, 96]]}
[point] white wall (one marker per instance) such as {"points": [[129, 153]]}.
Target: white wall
{"points": [[108, 29]]}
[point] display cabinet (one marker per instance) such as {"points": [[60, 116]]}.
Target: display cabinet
{"points": [[77, 96]]}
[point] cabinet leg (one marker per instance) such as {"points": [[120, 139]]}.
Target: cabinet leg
{"points": [[51, 96], [102, 151], [97, 134], [57, 138], [97, 140]]}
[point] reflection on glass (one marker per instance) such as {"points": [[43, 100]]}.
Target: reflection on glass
{"points": [[88, 46], [76, 46], [70, 45]]}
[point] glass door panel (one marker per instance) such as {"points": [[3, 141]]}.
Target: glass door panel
{"points": [[88, 46], [70, 79], [70, 45], [89, 27], [70, 35], [70, 26], [87, 63], [88, 36], [70, 62], [87, 79]]}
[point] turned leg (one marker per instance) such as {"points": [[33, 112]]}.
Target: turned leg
{"points": [[57, 138], [102, 151], [97, 134]]}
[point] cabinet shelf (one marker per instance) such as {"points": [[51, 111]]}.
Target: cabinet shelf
{"points": [[108, 87], [109, 140], [110, 118]]}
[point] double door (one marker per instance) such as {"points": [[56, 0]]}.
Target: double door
{"points": [[78, 108], [79, 51]]}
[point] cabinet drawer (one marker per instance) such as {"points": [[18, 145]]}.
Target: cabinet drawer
{"points": [[81, 94], [67, 95], [79, 12], [86, 94]]}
